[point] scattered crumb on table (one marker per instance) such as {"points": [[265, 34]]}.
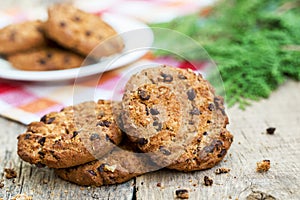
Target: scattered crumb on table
{"points": [[10, 173], [271, 130], [208, 181], [182, 194], [22, 197], [222, 170], [263, 166]]}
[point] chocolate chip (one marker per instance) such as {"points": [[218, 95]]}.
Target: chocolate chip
{"points": [[43, 119], [27, 136], [271, 130], [158, 124], [205, 133], [195, 111], [12, 36], [217, 143], [191, 94], [42, 154], [49, 54], [39, 29], [216, 101], [104, 123], [222, 153], [207, 181], [164, 151], [42, 141], [222, 170], [67, 59], [88, 33], [77, 19], [143, 95], [107, 138], [154, 111], [223, 112], [191, 122], [94, 136], [40, 165], [42, 61], [147, 111], [75, 133], [211, 107], [62, 24], [208, 121], [159, 127], [182, 194], [92, 172], [182, 77], [199, 140], [142, 141], [101, 168], [209, 149], [167, 77], [49, 121]]}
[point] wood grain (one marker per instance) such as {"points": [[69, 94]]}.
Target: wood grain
{"points": [[251, 145]]}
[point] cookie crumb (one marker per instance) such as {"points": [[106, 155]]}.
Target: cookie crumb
{"points": [[270, 130], [222, 170], [182, 194], [109, 168], [1, 183], [10, 173], [22, 197], [263, 166], [45, 181], [82, 188], [208, 181]]}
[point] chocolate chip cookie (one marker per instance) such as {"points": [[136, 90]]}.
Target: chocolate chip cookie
{"points": [[81, 31], [76, 135], [21, 37], [166, 110], [118, 166], [45, 59]]}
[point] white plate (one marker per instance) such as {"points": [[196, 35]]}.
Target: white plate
{"points": [[137, 37]]}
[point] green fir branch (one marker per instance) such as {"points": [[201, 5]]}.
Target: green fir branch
{"points": [[255, 44]]}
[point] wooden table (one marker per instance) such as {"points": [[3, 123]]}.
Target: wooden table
{"points": [[251, 144]]}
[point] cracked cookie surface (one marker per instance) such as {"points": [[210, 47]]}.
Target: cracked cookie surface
{"points": [[76, 135]]}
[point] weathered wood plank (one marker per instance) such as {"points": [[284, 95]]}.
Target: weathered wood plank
{"points": [[42, 183], [251, 144]]}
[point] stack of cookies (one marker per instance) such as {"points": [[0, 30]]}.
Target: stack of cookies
{"points": [[61, 42], [168, 118]]}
